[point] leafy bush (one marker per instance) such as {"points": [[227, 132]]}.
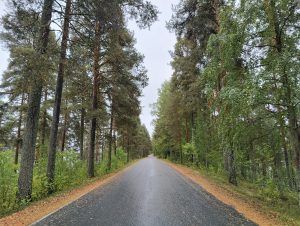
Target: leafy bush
{"points": [[118, 160], [8, 181], [70, 171]]}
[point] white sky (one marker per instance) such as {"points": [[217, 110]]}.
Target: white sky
{"points": [[154, 44]]}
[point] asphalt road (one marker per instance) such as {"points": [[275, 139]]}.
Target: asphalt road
{"points": [[149, 193]]}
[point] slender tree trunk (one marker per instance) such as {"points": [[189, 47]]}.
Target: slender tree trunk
{"points": [[91, 154], [34, 104], [110, 136], [97, 149], [82, 119], [179, 137], [44, 123], [102, 148], [19, 130], [64, 135], [58, 96], [187, 135], [232, 168], [253, 166], [128, 146], [285, 152], [114, 137]]}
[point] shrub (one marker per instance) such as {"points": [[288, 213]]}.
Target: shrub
{"points": [[8, 181]]}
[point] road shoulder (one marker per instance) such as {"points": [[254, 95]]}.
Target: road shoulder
{"points": [[40, 209], [249, 209]]}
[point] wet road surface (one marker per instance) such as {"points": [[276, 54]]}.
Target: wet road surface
{"points": [[150, 193]]}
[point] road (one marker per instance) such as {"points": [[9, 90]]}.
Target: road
{"points": [[149, 193]]}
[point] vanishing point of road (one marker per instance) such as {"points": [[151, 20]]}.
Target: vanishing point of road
{"points": [[149, 193]]}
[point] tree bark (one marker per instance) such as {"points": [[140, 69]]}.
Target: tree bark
{"points": [[187, 135], [34, 104], [91, 155], [19, 130], [64, 135], [128, 146], [44, 123], [82, 119], [110, 136], [114, 138], [58, 95], [232, 168]]}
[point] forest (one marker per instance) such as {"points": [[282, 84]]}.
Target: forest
{"points": [[70, 97], [70, 100], [232, 106]]}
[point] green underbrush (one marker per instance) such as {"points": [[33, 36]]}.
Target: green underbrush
{"points": [[263, 192], [70, 172]]}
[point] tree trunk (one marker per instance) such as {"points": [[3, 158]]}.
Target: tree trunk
{"points": [[19, 130], [91, 154], [58, 95], [102, 147], [97, 149], [82, 117], [44, 123], [34, 104], [64, 135], [179, 138], [232, 168], [110, 136], [114, 138], [128, 146], [187, 135]]}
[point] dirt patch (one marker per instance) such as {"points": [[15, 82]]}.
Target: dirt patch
{"points": [[246, 207], [42, 208]]}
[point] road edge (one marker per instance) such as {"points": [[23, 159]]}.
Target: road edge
{"points": [[248, 210], [44, 208]]}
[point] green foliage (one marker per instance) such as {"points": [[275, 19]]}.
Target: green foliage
{"points": [[8, 181], [70, 172], [232, 104], [118, 160]]}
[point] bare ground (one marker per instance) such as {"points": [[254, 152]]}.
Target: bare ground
{"points": [[42, 208], [248, 208]]}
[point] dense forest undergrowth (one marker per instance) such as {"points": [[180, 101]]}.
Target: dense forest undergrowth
{"points": [[70, 96], [70, 173], [261, 195], [232, 106]]}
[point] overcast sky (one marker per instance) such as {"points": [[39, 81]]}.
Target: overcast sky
{"points": [[154, 44]]}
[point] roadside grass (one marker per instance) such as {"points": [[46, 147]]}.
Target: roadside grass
{"points": [[70, 174], [264, 195], [286, 210]]}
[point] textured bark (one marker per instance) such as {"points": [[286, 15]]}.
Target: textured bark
{"points": [[232, 168], [44, 123], [98, 146], [82, 119], [64, 135], [128, 145], [91, 155], [114, 137], [34, 104], [179, 137], [58, 95], [187, 135], [110, 136], [19, 141]]}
